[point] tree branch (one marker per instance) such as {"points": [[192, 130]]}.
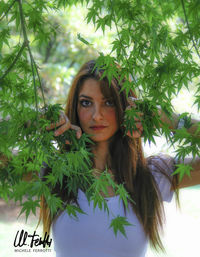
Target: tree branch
{"points": [[39, 79], [15, 60], [186, 19], [30, 54], [48, 50], [29, 50]]}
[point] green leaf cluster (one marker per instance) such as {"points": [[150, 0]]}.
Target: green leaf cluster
{"points": [[157, 44]]}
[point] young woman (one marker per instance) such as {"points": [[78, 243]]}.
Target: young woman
{"points": [[95, 108]]}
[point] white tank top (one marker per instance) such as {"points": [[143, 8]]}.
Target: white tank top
{"points": [[90, 236]]}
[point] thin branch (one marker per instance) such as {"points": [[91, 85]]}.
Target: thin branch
{"points": [[34, 82], [11, 5], [48, 50], [29, 50], [15, 60], [22, 20], [39, 81], [30, 54], [71, 64], [186, 19]]}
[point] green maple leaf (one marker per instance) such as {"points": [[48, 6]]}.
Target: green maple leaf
{"points": [[182, 170], [118, 224], [72, 210], [29, 206], [123, 194]]}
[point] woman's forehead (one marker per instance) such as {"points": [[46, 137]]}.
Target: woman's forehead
{"points": [[92, 86]]}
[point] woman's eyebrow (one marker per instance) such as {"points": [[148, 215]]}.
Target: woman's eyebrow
{"points": [[85, 96]]}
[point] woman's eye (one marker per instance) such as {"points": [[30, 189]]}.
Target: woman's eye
{"points": [[85, 103], [109, 103]]}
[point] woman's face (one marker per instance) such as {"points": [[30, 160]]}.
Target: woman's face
{"points": [[97, 115]]}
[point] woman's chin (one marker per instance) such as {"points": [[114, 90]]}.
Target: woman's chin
{"points": [[99, 139]]}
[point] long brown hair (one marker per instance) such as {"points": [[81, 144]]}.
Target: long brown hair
{"points": [[126, 159]]}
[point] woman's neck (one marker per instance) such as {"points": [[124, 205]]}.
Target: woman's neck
{"points": [[100, 151]]}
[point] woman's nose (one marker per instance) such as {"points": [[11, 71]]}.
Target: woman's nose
{"points": [[97, 113]]}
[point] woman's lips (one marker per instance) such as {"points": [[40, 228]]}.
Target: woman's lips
{"points": [[98, 127]]}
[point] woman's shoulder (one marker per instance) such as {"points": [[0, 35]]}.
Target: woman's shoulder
{"points": [[162, 162]]}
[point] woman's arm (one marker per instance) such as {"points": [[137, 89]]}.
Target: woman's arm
{"points": [[194, 179], [173, 123], [186, 181]]}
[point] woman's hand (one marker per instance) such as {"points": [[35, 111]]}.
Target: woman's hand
{"points": [[135, 133], [64, 124]]}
